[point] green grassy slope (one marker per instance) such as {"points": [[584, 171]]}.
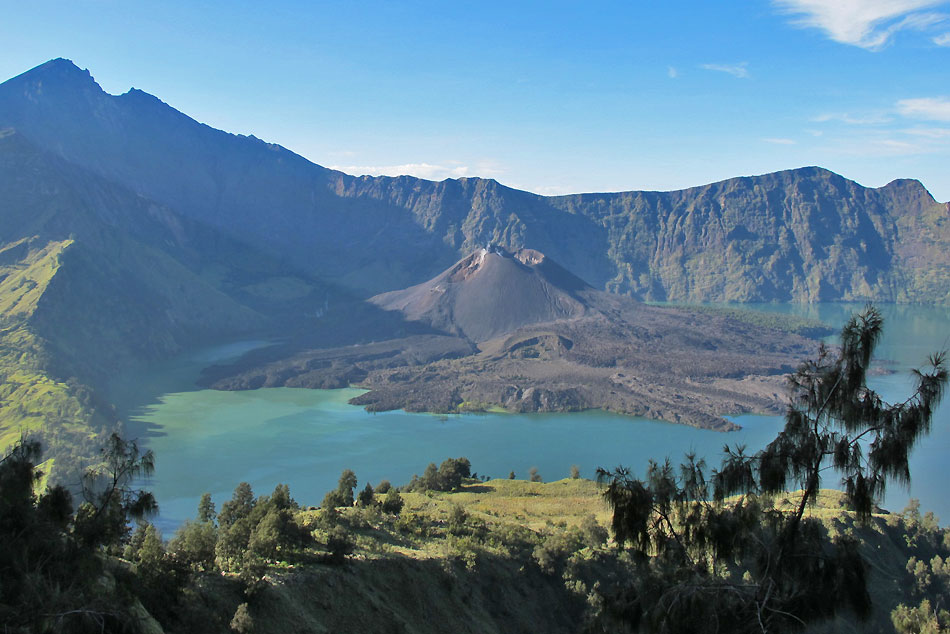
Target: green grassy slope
{"points": [[31, 399], [507, 556]]}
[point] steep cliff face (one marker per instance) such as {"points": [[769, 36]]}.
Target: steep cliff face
{"points": [[799, 235]]}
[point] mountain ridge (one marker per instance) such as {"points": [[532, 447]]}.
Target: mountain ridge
{"points": [[649, 245], [130, 230]]}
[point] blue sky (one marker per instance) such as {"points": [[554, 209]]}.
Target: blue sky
{"points": [[552, 97]]}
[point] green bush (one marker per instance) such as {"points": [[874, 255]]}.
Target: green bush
{"points": [[456, 522], [339, 545], [242, 623], [593, 534], [551, 553], [393, 502], [366, 496]]}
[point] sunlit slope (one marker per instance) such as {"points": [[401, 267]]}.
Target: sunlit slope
{"points": [[30, 399], [511, 555], [86, 287]]}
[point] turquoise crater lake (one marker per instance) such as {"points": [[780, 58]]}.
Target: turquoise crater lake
{"points": [[206, 440]]}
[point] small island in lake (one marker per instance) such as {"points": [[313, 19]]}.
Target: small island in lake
{"points": [[515, 331]]}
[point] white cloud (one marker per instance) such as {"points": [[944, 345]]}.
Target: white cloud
{"points": [[428, 171], [895, 147], [932, 108], [869, 24], [929, 133], [780, 141], [881, 147], [739, 70], [672, 72], [844, 117], [942, 40], [551, 190]]}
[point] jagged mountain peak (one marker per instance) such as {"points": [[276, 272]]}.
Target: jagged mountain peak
{"points": [[910, 185], [56, 73]]}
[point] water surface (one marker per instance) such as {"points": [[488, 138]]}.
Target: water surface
{"points": [[207, 440]]}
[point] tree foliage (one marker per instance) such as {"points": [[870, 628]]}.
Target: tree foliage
{"points": [[366, 497], [715, 555], [109, 497], [206, 509], [346, 485], [923, 619], [252, 530], [393, 502], [194, 544], [533, 475], [446, 477], [51, 563]]}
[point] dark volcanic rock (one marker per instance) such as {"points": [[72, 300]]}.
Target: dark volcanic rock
{"points": [[547, 342], [490, 293]]}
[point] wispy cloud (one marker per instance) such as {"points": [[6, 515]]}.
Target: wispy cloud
{"points": [[931, 108], [897, 147], [873, 118], [883, 146], [551, 190], [780, 141], [929, 133], [739, 70], [942, 40], [672, 72], [892, 132], [428, 171], [869, 24]]}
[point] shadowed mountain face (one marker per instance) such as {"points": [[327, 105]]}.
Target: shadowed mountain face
{"points": [[129, 231], [799, 235], [492, 292], [95, 278]]}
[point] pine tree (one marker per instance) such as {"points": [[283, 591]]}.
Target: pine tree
{"points": [[686, 529], [345, 487], [366, 496], [206, 509]]}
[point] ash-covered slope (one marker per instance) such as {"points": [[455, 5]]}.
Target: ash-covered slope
{"points": [[493, 292], [521, 333]]}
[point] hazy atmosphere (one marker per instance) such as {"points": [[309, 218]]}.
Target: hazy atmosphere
{"points": [[413, 318], [554, 98]]}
